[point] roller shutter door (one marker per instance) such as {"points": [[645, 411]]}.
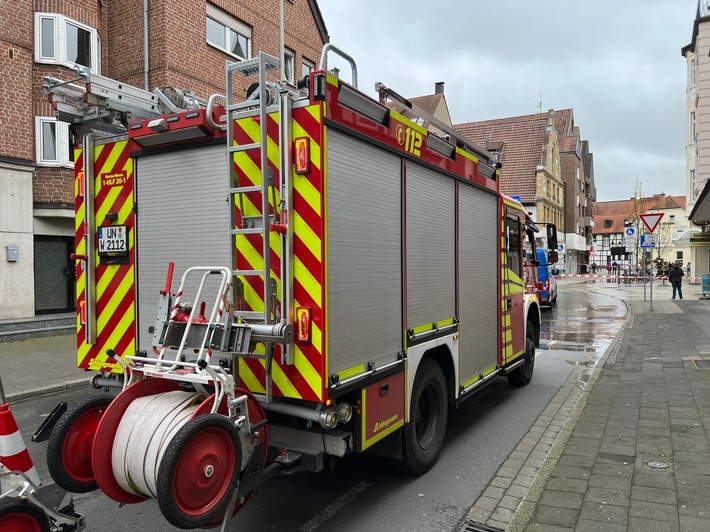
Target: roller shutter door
{"points": [[431, 273], [183, 217], [478, 281], [364, 288]]}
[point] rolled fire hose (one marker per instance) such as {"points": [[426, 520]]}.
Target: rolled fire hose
{"points": [[143, 435]]}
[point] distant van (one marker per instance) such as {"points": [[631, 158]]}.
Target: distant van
{"points": [[548, 292]]}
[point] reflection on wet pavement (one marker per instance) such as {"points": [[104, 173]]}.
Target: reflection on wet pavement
{"points": [[582, 326]]}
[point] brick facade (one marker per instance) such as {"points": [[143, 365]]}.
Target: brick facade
{"points": [[178, 53], [179, 56]]}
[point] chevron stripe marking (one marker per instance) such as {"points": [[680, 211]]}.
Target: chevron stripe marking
{"points": [[309, 193], [309, 373], [308, 237], [308, 281], [249, 380]]}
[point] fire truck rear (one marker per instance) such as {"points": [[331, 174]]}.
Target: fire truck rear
{"points": [[343, 276]]}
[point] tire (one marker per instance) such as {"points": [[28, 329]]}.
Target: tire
{"points": [[190, 495], [70, 443], [22, 516], [522, 375], [428, 413]]}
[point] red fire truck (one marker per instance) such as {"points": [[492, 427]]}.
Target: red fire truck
{"points": [[344, 275]]}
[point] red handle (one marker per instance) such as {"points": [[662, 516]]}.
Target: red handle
{"points": [[169, 280]]}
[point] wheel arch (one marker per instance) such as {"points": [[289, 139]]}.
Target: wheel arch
{"points": [[534, 318], [441, 352]]}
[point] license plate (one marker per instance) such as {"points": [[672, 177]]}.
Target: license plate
{"points": [[113, 240]]}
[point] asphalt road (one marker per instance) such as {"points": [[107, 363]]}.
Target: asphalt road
{"points": [[370, 493]]}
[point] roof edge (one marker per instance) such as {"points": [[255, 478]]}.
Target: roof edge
{"points": [[320, 22]]}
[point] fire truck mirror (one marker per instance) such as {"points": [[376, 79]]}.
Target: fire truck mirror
{"points": [[551, 237], [552, 257]]}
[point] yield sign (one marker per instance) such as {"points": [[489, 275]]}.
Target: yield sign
{"points": [[651, 221]]}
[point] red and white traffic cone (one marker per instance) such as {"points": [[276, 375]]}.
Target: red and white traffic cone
{"points": [[13, 453]]}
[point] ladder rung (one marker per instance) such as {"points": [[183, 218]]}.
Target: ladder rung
{"points": [[248, 273], [254, 231], [244, 190], [234, 107], [244, 147], [249, 315]]}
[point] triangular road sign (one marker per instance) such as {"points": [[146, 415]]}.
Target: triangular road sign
{"points": [[651, 221]]}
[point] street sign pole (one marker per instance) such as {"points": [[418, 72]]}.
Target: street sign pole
{"points": [[643, 275], [651, 221]]}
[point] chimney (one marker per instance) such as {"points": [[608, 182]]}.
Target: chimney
{"points": [[439, 87], [551, 117]]}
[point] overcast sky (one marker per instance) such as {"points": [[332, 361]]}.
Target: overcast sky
{"points": [[616, 63]]}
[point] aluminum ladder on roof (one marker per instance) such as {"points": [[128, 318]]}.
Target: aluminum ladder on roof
{"points": [[275, 323]]}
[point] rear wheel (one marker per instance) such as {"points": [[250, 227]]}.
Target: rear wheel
{"points": [[199, 471], [22, 516], [523, 373], [424, 434], [70, 444]]}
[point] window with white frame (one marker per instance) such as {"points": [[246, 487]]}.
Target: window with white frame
{"points": [[692, 127], [289, 60], [692, 72], [64, 41], [692, 183], [307, 67], [53, 142], [227, 33]]}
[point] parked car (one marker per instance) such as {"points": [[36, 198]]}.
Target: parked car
{"points": [[548, 282]]}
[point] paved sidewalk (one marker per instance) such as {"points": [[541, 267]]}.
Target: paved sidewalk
{"points": [[40, 365], [634, 453], [630, 451]]}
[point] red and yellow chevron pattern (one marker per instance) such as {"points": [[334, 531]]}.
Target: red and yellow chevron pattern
{"points": [[115, 305], [305, 379]]}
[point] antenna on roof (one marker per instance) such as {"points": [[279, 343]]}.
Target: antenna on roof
{"points": [[540, 95]]}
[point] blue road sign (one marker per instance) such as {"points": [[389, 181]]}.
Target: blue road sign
{"points": [[648, 241]]}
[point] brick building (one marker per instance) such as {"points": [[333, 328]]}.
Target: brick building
{"points": [[144, 43], [544, 162]]}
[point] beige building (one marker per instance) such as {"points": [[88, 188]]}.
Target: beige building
{"points": [[613, 218], [698, 136]]}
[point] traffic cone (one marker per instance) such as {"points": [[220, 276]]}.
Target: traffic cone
{"points": [[13, 453]]}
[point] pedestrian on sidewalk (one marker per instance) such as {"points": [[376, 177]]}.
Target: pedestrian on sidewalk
{"points": [[687, 269], [675, 276]]}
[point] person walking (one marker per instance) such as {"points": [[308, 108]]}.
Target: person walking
{"points": [[687, 269], [675, 276]]}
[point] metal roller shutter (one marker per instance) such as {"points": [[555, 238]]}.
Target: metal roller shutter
{"points": [[183, 217], [478, 281], [431, 274], [364, 253]]}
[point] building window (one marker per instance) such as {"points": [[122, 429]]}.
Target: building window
{"points": [[227, 33], [692, 72], [64, 41], [692, 184], [678, 255], [307, 67], [289, 60], [671, 217], [53, 142], [692, 127]]}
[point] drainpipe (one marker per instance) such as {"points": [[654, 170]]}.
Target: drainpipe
{"points": [[146, 82], [282, 51]]}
